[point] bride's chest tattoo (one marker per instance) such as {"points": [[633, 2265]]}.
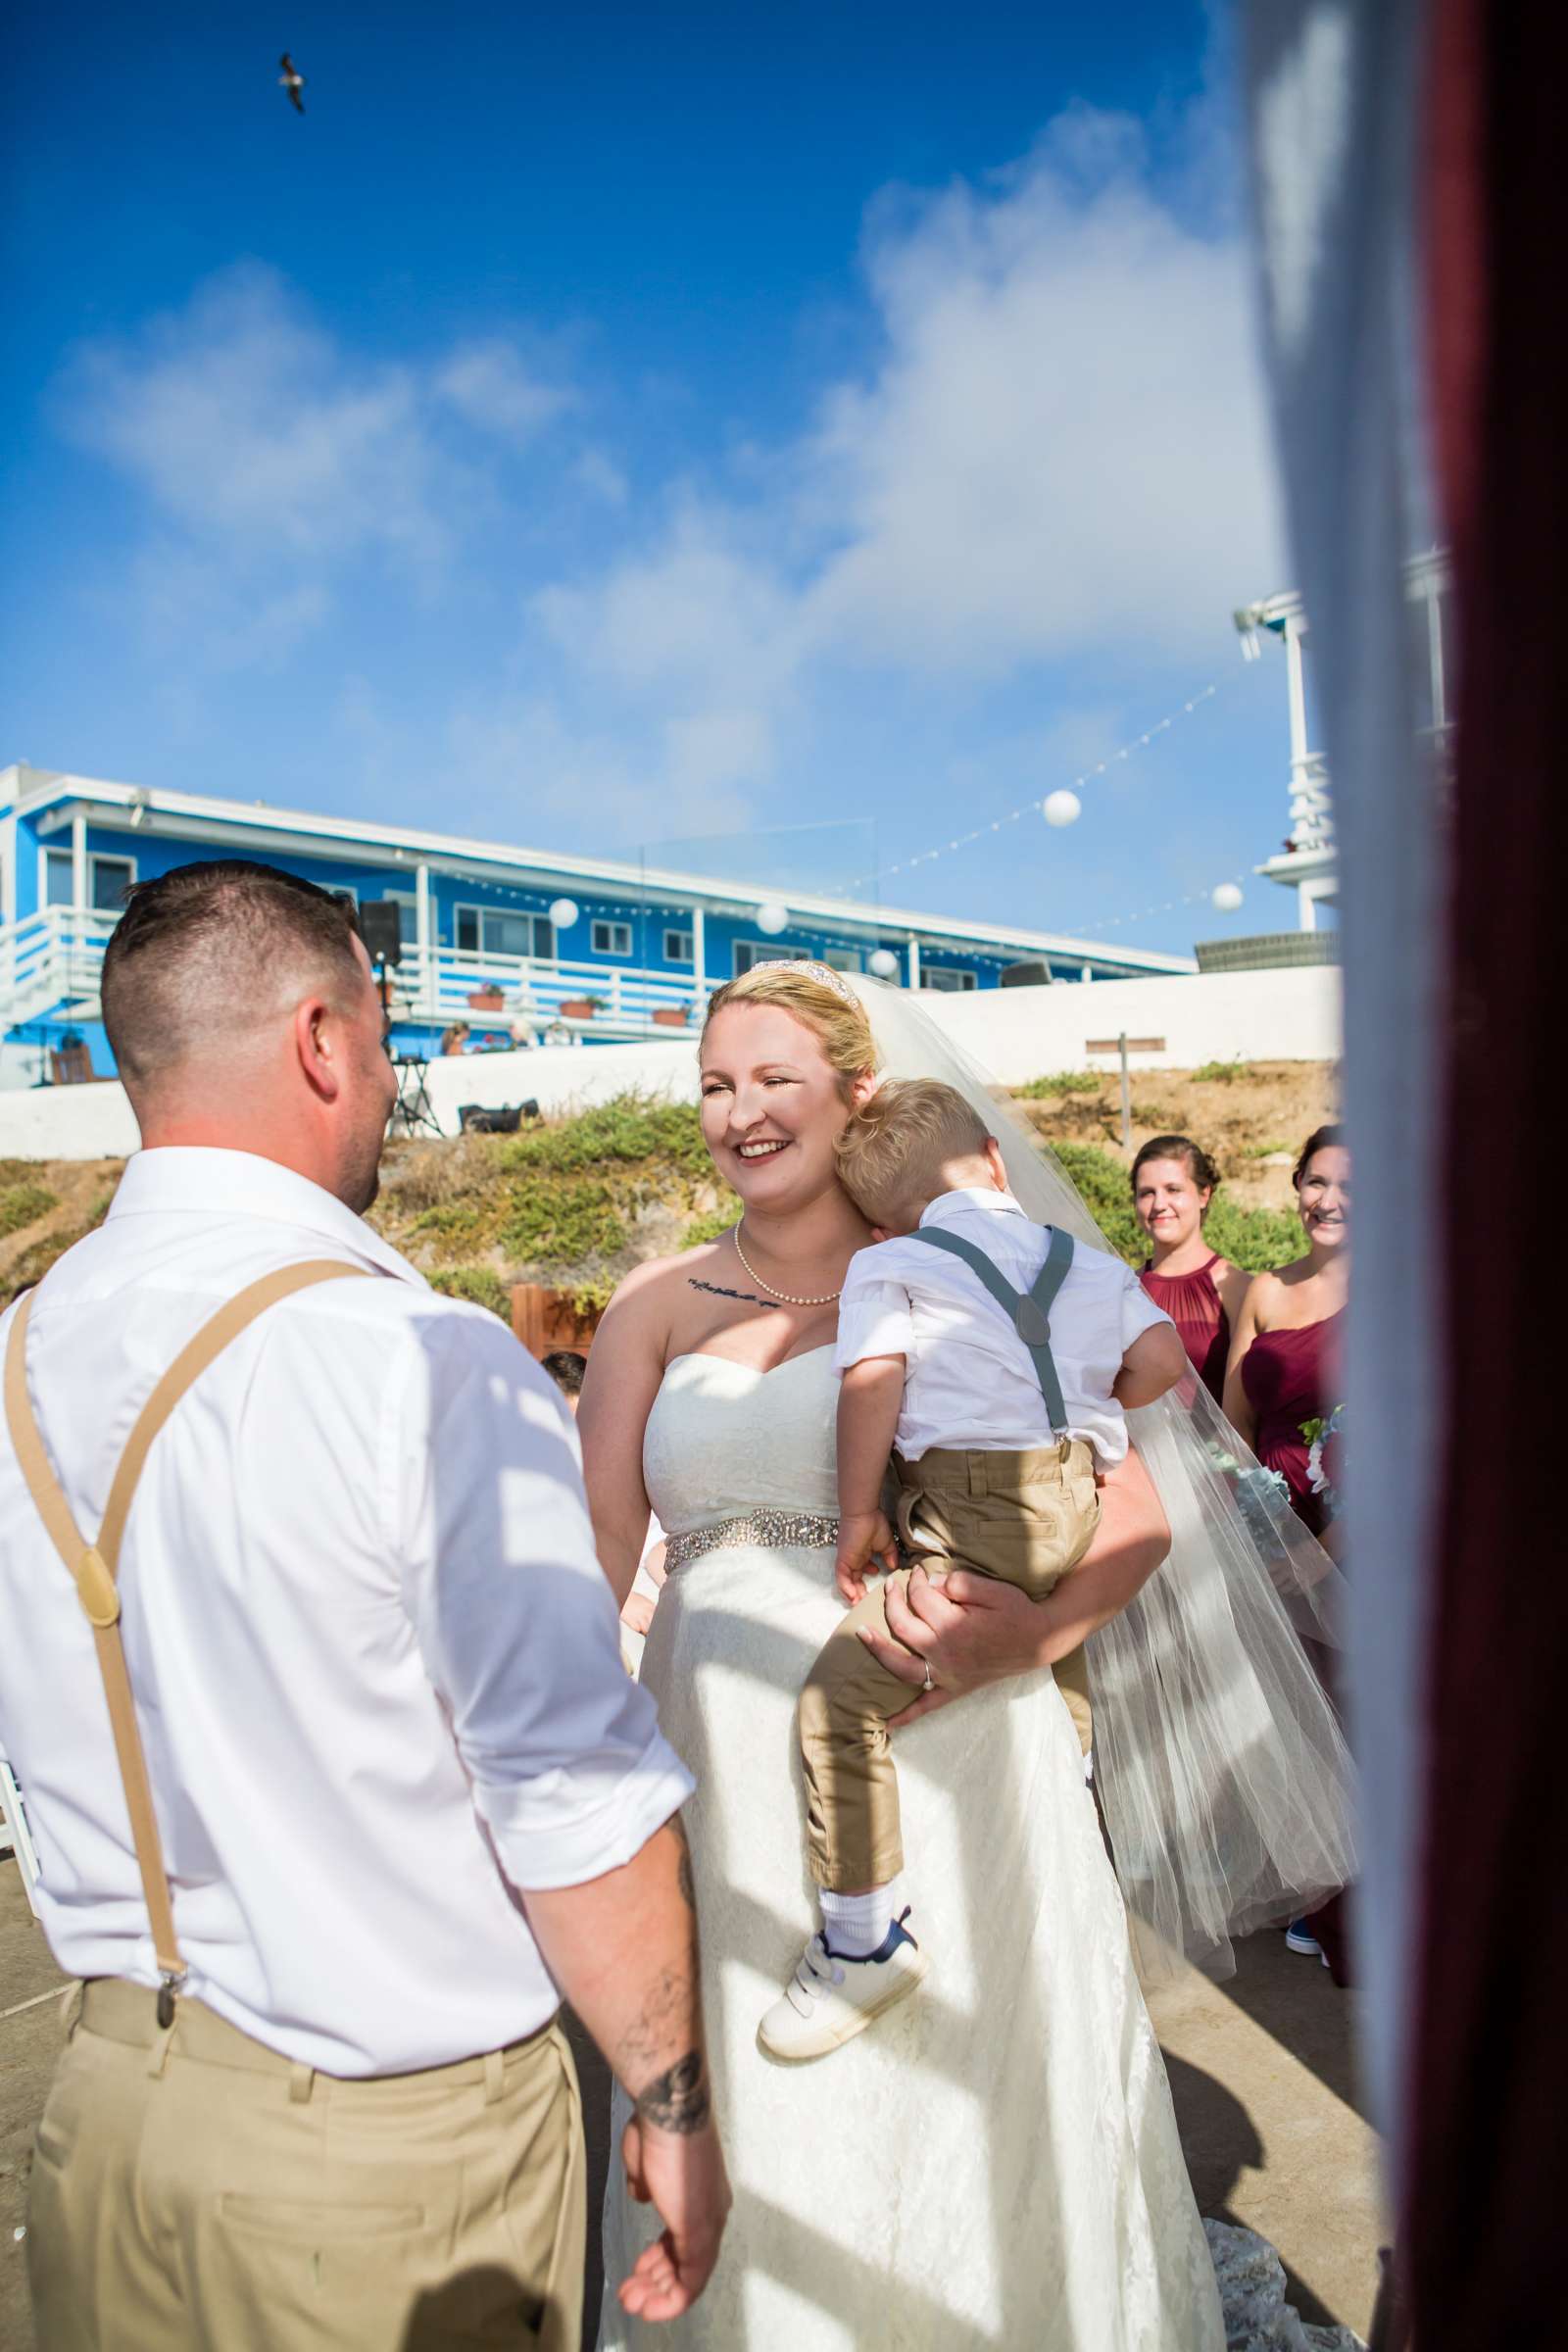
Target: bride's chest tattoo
{"points": [[717, 1290]]}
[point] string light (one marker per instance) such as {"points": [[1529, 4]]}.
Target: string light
{"points": [[1210, 892], [1135, 744]]}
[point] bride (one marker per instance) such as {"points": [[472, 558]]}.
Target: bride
{"points": [[996, 2162]]}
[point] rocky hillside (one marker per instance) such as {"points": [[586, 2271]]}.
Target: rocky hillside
{"points": [[577, 1201]]}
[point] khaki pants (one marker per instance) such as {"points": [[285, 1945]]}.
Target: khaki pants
{"points": [[203, 2194], [1024, 1518]]}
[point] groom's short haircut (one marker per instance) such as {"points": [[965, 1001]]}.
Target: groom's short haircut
{"points": [[205, 954], [893, 1152]]}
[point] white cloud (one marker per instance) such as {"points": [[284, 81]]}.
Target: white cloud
{"points": [[1058, 450], [1064, 439], [494, 388], [244, 425]]}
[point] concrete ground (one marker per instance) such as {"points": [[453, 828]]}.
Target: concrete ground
{"points": [[1260, 2067]]}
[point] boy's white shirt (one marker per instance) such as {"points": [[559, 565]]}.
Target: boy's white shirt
{"points": [[969, 1380]]}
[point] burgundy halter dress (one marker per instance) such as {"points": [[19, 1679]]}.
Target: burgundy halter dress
{"points": [[1196, 1308], [1285, 1374]]}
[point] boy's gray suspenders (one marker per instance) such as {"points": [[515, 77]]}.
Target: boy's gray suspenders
{"points": [[1029, 1311]]}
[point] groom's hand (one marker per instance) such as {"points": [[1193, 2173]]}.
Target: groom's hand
{"points": [[681, 2173]]}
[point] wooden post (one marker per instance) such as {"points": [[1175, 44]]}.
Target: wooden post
{"points": [[1126, 1096]]}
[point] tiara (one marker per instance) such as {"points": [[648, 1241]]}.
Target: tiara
{"points": [[809, 969]]}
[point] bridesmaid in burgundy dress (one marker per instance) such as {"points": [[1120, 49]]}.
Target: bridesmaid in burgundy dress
{"points": [[1284, 1371], [1173, 1183]]}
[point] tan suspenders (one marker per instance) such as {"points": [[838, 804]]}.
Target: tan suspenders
{"points": [[95, 1566]]}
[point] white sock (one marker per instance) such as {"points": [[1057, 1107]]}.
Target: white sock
{"points": [[853, 1925]]}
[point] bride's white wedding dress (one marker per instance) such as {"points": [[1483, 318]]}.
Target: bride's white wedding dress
{"points": [[994, 2163]]}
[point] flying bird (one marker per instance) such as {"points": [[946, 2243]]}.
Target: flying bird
{"points": [[292, 80]]}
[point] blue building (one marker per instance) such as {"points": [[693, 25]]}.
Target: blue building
{"points": [[526, 943]]}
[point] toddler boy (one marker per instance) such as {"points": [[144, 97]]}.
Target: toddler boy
{"points": [[992, 1358]]}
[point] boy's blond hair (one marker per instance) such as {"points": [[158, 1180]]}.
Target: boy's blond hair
{"points": [[892, 1154]]}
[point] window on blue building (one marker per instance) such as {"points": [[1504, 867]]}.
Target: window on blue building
{"points": [[498, 931], [107, 880], [680, 947], [950, 978], [611, 939]]}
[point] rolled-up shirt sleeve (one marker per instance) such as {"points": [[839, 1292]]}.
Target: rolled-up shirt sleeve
{"points": [[1139, 1313], [875, 1317], [512, 1614]]}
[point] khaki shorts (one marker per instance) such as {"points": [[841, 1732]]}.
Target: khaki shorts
{"points": [[1026, 1519], [201, 2193]]}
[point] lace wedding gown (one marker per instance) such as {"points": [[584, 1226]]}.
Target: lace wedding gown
{"points": [[995, 2163]]}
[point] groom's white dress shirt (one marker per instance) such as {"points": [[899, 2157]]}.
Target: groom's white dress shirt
{"points": [[375, 1657], [969, 1380]]}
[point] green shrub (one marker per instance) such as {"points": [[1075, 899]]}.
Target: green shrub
{"points": [[630, 1127], [1256, 1239], [554, 1220], [1104, 1183], [456, 1226], [1220, 1073], [478, 1284], [23, 1204], [1061, 1082], [710, 1227]]}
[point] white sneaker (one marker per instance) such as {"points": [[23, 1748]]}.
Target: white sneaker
{"points": [[830, 2000]]}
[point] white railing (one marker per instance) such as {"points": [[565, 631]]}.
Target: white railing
{"points": [[442, 985], [50, 963], [1311, 804]]}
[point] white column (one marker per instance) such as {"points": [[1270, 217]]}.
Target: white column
{"points": [[76, 981], [914, 961], [1295, 627], [425, 996], [1306, 908], [699, 955]]}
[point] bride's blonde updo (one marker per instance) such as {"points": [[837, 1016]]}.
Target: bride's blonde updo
{"points": [[826, 1005]]}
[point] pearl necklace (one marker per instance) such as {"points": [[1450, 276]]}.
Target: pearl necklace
{"points": [[788, 1297]]}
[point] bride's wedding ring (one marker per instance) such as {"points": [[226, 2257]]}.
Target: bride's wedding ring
{"points": [[929, 1684]]}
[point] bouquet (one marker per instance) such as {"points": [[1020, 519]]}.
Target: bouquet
{"points": [[1325, 1461]]}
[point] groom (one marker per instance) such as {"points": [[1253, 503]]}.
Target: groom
{"points": [[371, 1789]]}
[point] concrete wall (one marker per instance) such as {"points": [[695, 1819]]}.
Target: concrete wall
{"points": [[96, 1122], [1018, 1034], [67, 1122]]}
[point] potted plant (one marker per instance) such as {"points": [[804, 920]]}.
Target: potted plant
{"points": [[487, 997], [672, 1016], [580, 1009]]}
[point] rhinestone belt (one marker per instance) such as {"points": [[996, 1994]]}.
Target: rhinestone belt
{"points": [[771, 1531]]}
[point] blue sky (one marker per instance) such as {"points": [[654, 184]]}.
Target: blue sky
{"points": [[627, 427]]}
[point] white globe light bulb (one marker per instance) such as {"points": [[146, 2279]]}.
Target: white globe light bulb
{"points": [[772, 917], [563, 913], [884, 963], [1063, 808], [1225, 898]]}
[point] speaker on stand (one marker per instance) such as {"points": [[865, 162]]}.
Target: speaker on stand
{"points": [[381, 929]]}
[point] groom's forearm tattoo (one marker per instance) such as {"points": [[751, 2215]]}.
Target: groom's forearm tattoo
{"points": [[717, 1290], [677, 2099]]}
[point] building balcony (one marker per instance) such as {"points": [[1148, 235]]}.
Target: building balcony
{"points": [[50, 965]]}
